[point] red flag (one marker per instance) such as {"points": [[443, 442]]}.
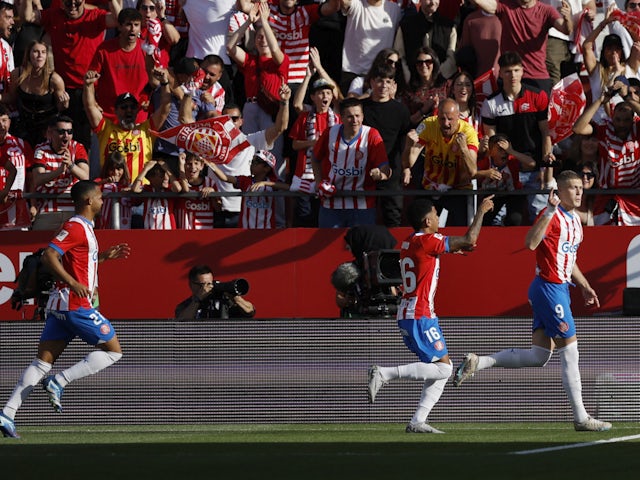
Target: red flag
{"points": [[484, 85], [628, 210], [216, 139], [565, 106], [14, 212], [630, 21]]}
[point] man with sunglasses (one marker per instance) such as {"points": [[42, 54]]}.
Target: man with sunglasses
{"points": [[76, 31], [58, 164]]}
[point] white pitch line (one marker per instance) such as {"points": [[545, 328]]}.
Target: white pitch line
{"points": [[576, 445]]}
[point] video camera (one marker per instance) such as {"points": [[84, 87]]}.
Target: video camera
{"points": [[236, 287]]}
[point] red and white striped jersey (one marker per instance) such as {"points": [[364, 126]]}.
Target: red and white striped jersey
{"points": [[20, 154], [619, 159], [347, 164], [292, 32], [77, 244], [557, 253], [196, 213], [6, 64], [104, 220], [257, 212], [420, 267], [45, 157], [217, 92], [158, 213]]}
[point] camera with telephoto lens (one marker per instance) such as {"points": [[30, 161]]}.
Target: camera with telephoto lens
{"points": [[236, 287]]}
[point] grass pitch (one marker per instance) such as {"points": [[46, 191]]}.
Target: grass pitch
{"points": [[327, 451]]}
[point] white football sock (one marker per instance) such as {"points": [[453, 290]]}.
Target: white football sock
{"points": [[31, 376], [431, 392], [569, 359], [424, 371], [516, 358], [92, 363]]}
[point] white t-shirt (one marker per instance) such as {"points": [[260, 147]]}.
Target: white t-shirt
{"points": [[369, 29], [208, 26]]}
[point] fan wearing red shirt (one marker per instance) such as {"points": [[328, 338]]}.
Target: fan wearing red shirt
{"points": [[72, 256]]}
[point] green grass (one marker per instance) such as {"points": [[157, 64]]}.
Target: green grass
{"points": [[334, 451]]}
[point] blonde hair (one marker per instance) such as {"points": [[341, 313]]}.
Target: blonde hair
{"points": [[27, 67]]}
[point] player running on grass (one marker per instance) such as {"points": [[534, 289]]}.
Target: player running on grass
{"points": [[555, 237], [73, 257], [417, 320]]}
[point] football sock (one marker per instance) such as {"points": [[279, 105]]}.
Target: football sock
{"points": [[431, 392], [516, 357], [92, 363], [30, 378], [571, 382], [424, 371]]}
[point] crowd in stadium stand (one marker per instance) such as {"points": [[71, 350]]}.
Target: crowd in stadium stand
{"points": [[326, 98]]}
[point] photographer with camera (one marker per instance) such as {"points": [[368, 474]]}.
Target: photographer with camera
{"points": [[214, 299]]}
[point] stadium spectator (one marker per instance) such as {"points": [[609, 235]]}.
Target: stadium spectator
{"points": [[115, 177], [612, 63], [561, 47], [555, 237], [306, 131], [58, 164], [583, 148], [417, 319], [17, 156], [208, 27], [360, 86], [463, 91], [371, 27], [195, 213], [479, 46], [76, 33], [264, 74], [37, 92], [212, 94], [520, 111], [525, 27], [350, 157], [240, 164], [158, 212], [73, 257], [157, 31], [122, 66], [258, 212], [208, 302], [391, 120], [450, 156], [593, 209], [7, 65], [423, 93], [128, 137], [499, 170], [427, 29]]}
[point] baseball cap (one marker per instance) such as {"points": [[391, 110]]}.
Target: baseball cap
{"points": [[126, 98], [321, 84]]}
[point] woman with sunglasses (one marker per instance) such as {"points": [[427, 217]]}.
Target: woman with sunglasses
{"points": [[593, 209], [423, 95], [153, 15], [388, 56]]}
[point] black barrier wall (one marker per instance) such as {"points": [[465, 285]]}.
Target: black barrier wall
{"points": [[315, 371]]}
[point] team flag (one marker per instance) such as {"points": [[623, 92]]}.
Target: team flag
{"points": [[216, 139], [630, 21], [565, 106], [484, 85]]}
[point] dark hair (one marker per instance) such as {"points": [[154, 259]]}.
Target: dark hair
{"points": [[157, 168], [231, 106], [128, 15], [594, 169], [348, 103], [7, 6], [382, 71], [472, 98], [81, 190], [198, 270], [634, 82], [116, 159], [381, 60], [212, 59], [4, 110], [55, 119], [416, 212], [497, 138], [414, 81], [509, 59]]}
